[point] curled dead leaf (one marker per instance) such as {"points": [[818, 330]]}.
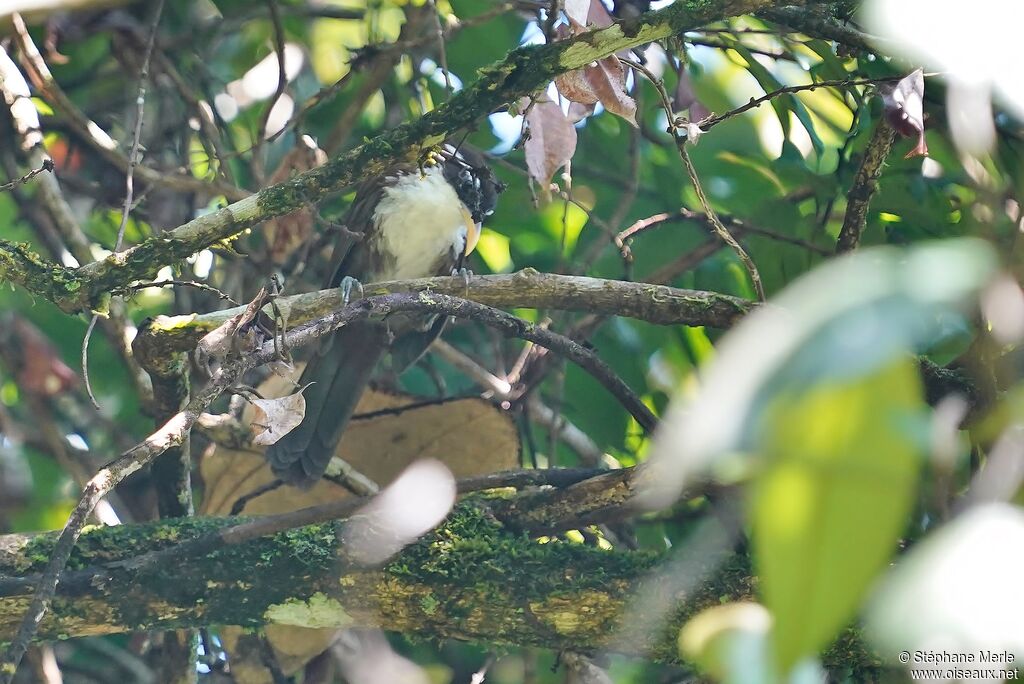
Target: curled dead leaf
{"points": [[603, 81], [903, 107], [275, 418]]}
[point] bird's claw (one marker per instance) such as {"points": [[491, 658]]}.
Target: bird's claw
{"points": [[465, 273], [347, 284]]}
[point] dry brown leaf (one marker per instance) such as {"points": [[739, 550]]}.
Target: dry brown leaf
{"points": [[552, 141], [903, 106], [275, 418], [608, 80], [603, 81], [575, 86]]}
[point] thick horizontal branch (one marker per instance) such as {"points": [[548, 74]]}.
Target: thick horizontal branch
{"points": [[524, 71], [471, 579], [528, 289]]}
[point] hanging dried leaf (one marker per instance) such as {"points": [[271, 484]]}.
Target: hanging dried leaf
{"points": [[552, 141], [903, 105], [574, 86], [578, 112], [608, 79], [275, 418], [603, 81]]}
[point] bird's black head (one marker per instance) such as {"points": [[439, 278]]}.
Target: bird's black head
{"points": [[474, 182]]}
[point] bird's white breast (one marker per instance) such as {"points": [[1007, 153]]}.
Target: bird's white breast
{"points": [[420, 220]]}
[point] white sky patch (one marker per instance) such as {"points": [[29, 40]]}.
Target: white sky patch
{"points": [[506, 128], [280, 113], [433, 70], [260, 82]]}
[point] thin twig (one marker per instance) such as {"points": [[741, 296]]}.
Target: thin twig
{"points": [[133, 160], [187, 283], [740, 227], [442, 51], [716, 223], [282, 83], [46, 166], [140, 111], [691, 171], [501, 389], [85, 360], [708, 123]]}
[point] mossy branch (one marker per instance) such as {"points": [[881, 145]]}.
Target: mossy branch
{"points": [[470, 579], [55, 283], [522, 72]]}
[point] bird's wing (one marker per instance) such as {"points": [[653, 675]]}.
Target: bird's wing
{"points": [[350, 252]]}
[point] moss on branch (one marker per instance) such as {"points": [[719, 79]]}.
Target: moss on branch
{"points": [[470, 579], [523, 71], [58, 284]]}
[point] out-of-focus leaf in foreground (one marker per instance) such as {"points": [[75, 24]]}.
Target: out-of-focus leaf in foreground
{"points": [[845, 320], [841, 463], [816, 400], [959, 591]]}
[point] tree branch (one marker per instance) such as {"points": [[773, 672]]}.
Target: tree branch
{"points": [[658, 304], [302, 578], [522, 72], [865, 185]]}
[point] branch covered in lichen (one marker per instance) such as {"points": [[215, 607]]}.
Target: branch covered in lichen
{"points": [[470, 579], [21, 266], [522, 72], [658, 304], [865, 185]]}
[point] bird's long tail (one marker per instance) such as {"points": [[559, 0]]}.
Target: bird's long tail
{"points": [[339, 372]]}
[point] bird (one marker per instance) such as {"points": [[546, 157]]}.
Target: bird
{"points": [[413, 221]]}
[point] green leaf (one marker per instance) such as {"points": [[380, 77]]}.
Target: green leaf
{"points": [[841, 463], [783, 104]]}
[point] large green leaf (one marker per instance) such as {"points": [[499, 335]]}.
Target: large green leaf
{"points": [[841, 461]]}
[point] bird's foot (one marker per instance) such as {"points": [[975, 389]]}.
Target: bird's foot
{"points": [[465, 273], [348, 283]]}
